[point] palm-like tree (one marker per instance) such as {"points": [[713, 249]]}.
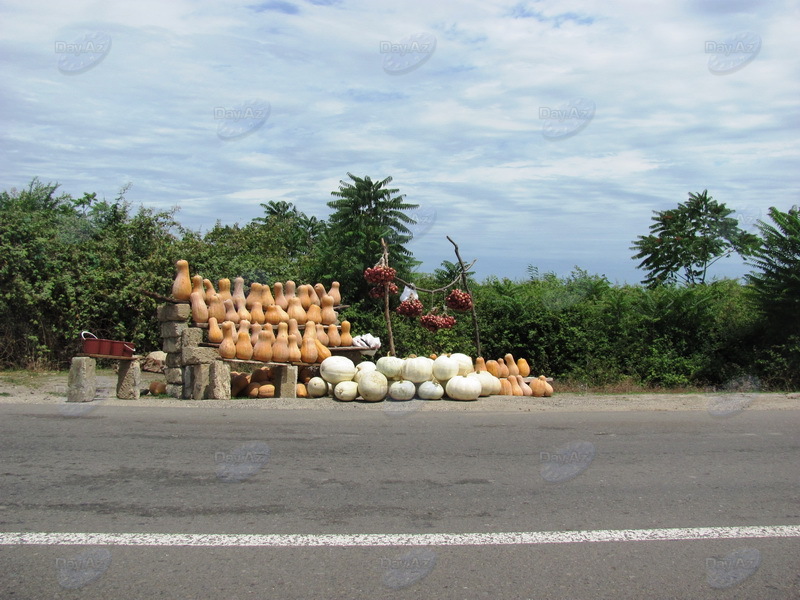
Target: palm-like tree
{"points": [[365, 211]]}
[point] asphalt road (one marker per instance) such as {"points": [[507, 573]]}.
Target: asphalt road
{"points": [[217, 471]]}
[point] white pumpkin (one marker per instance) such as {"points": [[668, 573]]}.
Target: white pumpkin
{"points": [[346, 391], [336, 369], [391, 366], [317, 387], [418, 369], [430, 390], [363, 367], [463, 388], [402, 390], [464, 363], [373, 386], [444, 368], [490, 385]]}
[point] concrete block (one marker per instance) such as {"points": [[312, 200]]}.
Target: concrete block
{"points": [[82, 380], [172, 344], [173, 312], [174, 360], [129, 379], [186, 392], [174, 375], [285, 381], [200, 381], [176, 391], [219, 385], [171, 329], [198, 355], [191, 336]]}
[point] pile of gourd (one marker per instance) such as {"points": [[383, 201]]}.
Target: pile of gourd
{"points": [[428, 378], [265, 324]]}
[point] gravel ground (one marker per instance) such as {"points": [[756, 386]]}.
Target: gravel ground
{"points": [[51, 389]]}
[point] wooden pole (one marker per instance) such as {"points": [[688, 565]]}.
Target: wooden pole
{"points": [[386, 313], [466, 289]]}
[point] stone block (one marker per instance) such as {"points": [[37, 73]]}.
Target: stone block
{"points": [[285, 381], [171, 329], [200, 381], [191, 336], [176, 391], [198, 355], [173, 312], [186, 392], [174, 360], [82, 380], [129, 379], [219, 384], [174, 375], [172, 344]]}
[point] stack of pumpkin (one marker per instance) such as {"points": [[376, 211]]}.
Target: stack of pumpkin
{"points": [[454, 376], [515, 376], [260, 383], [265, 324]]}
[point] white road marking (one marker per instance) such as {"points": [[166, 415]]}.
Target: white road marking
{"points": [[395, 539]]}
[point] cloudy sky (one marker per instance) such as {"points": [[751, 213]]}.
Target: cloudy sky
{"points": [[533, 133]]}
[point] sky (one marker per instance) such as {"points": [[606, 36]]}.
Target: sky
{"points": [[532, 133]]}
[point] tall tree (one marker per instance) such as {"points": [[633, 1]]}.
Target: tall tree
{"points": [[685, 241], [776, 283], [365, 211]]}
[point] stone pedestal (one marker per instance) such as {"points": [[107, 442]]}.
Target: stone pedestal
{"points": [[129, 379], [82, 382], [172, 318]]}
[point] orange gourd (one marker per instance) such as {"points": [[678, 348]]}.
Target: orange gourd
{"points": [[505, 387], [480, 364], [244, 325], [227, 348], [526, 389], [322, 336], [199, 308], [280, 348], [272, 316], [251, 391], [284, 315], [314, 314], [266, 296], [308, 347], [214, 332], [224, 286], [239, 381], [524, 367], [215, 308], [266, 390], [329, 316], [293, 328], [197, 286], [335, 293], [301, 391], [238, 288], [305, 297], [294, 349], [263, 349], [289, 289], [230, 312], [255, 329], [296, 311], [209, 289], [257, 313], [280, 298], [253, 296], [244, 349], [334, 339], [502, 367], [548, 389], [322, 351], [182, 285], [493, 367], [241, 309], [319, 292], [538, 386], [347, 339], [513, 370], [262, 375], [515, 389]]}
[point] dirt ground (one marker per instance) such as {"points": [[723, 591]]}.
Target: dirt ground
{"points": [[51, 388]]}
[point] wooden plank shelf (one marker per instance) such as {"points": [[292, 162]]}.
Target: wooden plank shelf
{"points": [[111, 356]]}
